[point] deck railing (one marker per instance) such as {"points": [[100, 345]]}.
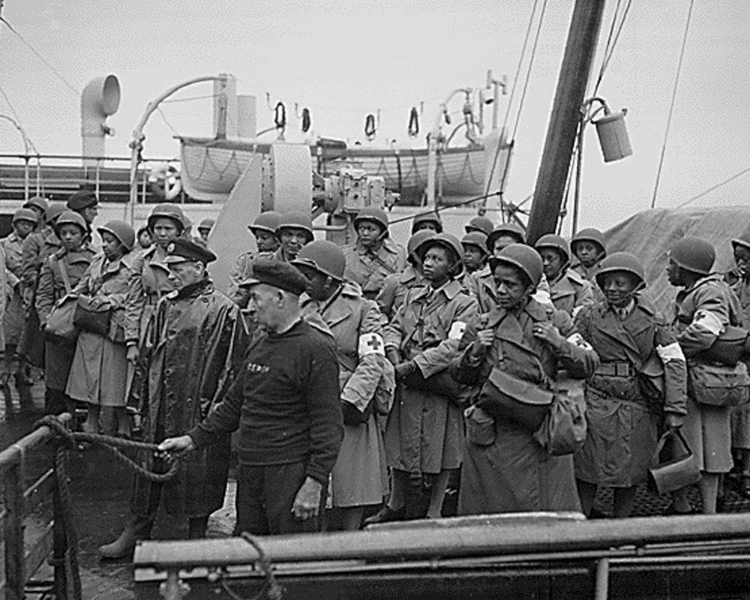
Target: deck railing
{"points": [[19, 501], [56, 176]]}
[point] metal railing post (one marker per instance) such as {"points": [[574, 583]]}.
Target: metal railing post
{"points": [[59, 535], [14, 547]]}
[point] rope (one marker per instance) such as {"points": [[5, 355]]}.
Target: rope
{"points": [[513, 92], [438, 209], [111, 445], [40, 57], [714, 187], [271, 588], [612, 40], [672, 103]]}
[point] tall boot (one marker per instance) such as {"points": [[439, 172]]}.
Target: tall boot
{"points": [[417, 497], [138, 528]]}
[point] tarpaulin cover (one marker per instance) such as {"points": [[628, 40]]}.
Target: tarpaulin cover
{"points": [[650, 234]]}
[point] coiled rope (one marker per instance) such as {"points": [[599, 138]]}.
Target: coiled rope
{"points": [[113, 445], [271, 588]]}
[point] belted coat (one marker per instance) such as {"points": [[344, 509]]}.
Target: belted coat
{"points": [[623, 413], [505, 469], [424, 433], [192, 350], [15, 315], [570, 291], [394, 290], [149, 283]]}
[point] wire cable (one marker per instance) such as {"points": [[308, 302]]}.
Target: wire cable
{"points": [[168, 124], [672, 103], [40, 57], [20, 127], [714, 187]]}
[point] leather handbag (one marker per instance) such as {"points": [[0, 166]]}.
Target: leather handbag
{"points": [[91, 318], [677, 469], [61, 321]]}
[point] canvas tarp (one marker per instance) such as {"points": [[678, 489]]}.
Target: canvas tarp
{"points": [[650, 234]]}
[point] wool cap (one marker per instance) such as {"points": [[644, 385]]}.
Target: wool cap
{"points": [[278, 274]]}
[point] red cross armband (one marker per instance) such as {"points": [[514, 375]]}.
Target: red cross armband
{"points": [[457, 330], [371, 343]]}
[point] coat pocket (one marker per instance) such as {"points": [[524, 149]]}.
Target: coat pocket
{"points": [[480, 426]]}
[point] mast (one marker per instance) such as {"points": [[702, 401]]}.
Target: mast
{"points": [[561, 133]]}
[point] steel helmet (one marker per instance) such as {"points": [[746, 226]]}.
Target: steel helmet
{"points": [[70, 217], [522, 257], [53, 212], [428, 217], [621, 261], [512, 229], [25, 214], [451, 243], [122, 231], [554, 242], [167, 210], [416, 240], [476, 239], [589, 235], [374, 214], [480, 223], [38, 202], [323, 256], [743, 240], [693, 254], [296, 220], [266, 221], [206, 224]]}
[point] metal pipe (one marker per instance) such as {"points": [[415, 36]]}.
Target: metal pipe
{"points": [[602, 579], [136, 144], [480, 537]]}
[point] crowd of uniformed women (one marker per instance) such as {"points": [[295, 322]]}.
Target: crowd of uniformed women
{"points": [[526, 377]]}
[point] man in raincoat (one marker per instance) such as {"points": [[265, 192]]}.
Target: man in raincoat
{"points": [[193, 347]]}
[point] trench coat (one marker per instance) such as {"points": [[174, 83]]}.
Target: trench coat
{"points": [[510, 471], [394, 290], [481, 286], [99, 373], [570, 292], [359, 476], [242, 270], [424, 432], [589, 274], [194, 347], [369, 269], [623, 417], [701, 313], [37, 246], [741, 414], [58, 354], [15, 315], [149, 282]]}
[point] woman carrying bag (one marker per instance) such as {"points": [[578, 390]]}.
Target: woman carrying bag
{"points": [[99, 374], [60, 272], [622, 410]]}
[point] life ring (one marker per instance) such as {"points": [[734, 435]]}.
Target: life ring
{"points": [[164, 181]]}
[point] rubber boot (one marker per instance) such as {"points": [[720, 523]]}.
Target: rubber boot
{"points": [[417, 497], [197, 527], [138, 528]]}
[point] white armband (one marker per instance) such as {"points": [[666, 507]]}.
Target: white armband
{"points": [[670, 352], [457, 330], [370, 343], [577, 340], [709, 321]]}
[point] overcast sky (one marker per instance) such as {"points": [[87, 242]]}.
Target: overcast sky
{"points": [[343, 60]]}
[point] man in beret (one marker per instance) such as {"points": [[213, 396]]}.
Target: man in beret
{"points": [[86, 204], [285, 402], [191, 352]]}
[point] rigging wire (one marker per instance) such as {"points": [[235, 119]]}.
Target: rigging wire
{"points": [[190, 98], [672, 103], [40, 57], [513, 93], [614, 36], [164, 118], [714, 187], [18, 120]]}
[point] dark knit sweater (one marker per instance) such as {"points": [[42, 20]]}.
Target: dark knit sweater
{"points": [[285, 402]]}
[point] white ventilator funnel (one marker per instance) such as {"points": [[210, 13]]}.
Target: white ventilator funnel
{"points": [[99, 100]]}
